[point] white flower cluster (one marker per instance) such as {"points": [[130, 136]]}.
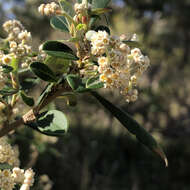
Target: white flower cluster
{"points": [[48, 9], [18, 38], [119, 66], [8, 178], [7, 153], [79, 7]]}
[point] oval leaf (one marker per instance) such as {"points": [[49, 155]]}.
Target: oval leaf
{"points": [[57, 65], [58, 49], [59, 23], [128, 122], [52, 123], [43, 71], [26, 99]]}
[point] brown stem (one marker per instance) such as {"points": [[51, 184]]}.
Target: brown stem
{"points": [[30, 116]]}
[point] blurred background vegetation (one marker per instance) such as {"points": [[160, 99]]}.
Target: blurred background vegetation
{"points": [[97, 153]]}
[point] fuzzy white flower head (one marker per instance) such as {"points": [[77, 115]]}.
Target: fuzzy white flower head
{"points": [[18, 175], [79, 7], [24, 35], [89, 34], [6, 59]]}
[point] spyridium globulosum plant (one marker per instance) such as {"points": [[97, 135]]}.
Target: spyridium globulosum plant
{"points": [[99, 60]]}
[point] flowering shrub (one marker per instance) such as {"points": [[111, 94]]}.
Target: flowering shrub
{"points": [[100, 60]]}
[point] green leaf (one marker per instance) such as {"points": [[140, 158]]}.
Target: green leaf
{"points": [[59, 23], [43, 71], [58, 49], [7, 69], [76, 83], [128, 122], [5, 166], [132, 43], [103, 28], [8, 91], [28, 83], [44, 94], [57, 65], [52, 123], [26, 99], [67, 7], [94, 83], [100, 3]]}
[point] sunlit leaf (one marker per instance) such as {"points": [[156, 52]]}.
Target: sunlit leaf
{"points": [[59, 23], [52, 123]]}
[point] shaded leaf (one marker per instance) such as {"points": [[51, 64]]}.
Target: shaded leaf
{"points": [[103, 28], [8, 91], [94, 83], [43, 71], [59, 23], [129, 123], [52, 123], [26, 99], [28, 83], [44, 94], [7, 69], [58, 49], [76, 83]]}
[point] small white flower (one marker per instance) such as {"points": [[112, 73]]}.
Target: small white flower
{"points": [[6, 59]]}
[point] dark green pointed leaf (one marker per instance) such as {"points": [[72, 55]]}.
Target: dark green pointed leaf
{"points": [[8, 91], [52, 123], [132, 43], [26, 99], [43, 71], [6, 69], [58, 49], [100, 3], [76, 83], [59, 23], [103, 28], [129, 123], [4, 166], [94, 83]]}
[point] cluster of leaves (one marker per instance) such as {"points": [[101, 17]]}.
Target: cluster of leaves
{"points": [[59, 70]]}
